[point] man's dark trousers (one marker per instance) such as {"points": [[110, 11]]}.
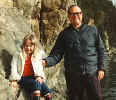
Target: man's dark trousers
{"points": [[78, 83]]}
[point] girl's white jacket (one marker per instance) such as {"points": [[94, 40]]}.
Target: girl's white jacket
{"points": [[18, 61]]}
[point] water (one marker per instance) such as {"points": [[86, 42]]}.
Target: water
{"points": [[109, 81]]}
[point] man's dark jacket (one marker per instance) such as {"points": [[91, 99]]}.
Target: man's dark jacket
{"points": [[83, 50]]}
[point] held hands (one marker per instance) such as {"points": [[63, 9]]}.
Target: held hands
{"points": [[13, 84], [43, 63], [100, 74], [39, 79]]}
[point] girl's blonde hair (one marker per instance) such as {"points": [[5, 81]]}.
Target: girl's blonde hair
{"points": [[33, 39]]}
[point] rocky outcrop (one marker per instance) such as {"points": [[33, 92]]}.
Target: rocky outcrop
{"points": [[13, 27]]}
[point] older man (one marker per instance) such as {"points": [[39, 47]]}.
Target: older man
{"points": [[84, 57]]}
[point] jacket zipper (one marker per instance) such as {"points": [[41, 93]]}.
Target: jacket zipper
{"points": [[84, 69]]}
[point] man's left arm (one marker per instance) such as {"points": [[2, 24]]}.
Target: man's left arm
{"points": [[100, 74], [102, 56]]}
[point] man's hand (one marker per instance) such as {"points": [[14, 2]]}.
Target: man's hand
{"points": [[14, 84], [100, 74], [43, 63], [39, 79]]}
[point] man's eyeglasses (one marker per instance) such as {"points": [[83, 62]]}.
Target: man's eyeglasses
{"points": [[76, 13]]}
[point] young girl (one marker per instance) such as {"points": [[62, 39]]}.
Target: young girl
{"points": [[27, 69]]}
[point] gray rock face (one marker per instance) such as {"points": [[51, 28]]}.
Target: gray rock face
{"points": [[13, 27]]}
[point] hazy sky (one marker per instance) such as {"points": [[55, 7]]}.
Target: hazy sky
{"points": [[114, 2]]}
